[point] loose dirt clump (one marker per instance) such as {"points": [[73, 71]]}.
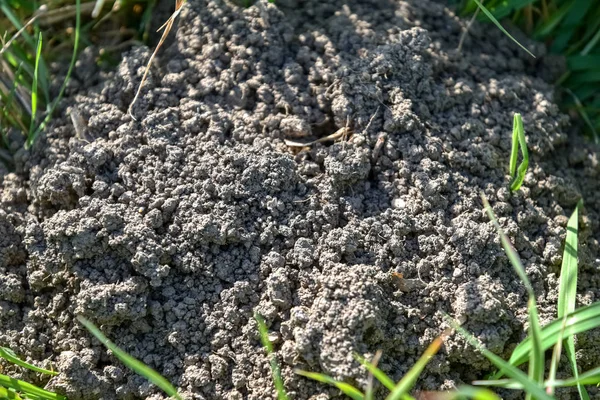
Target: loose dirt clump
{"points": [[170, 230]]}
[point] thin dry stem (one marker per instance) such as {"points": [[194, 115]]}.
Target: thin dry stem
{"points": [[43, 9], [167, 28], [466, 32]]}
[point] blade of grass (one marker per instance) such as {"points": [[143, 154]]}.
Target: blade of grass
{"points": [[581, 63], [506, 7], [555, 360], [591, 377], [8, 394], [22, 31], [473, 393], [569, 25], [31, 138], [34, 86], [508, 248], [406, 383], [518, 137], [131, 362], [531, 386], [549, 25], [501, 383], [567, 289], [347, 389], [10, 15], [514, 150], [584, 115], [536, 356], [495, 21], [591, 44], [370, 390], [11, 357], [28, 389], [376, 372], [264, 337]]}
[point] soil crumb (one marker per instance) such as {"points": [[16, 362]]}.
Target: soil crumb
{"points": [[170, 230]]}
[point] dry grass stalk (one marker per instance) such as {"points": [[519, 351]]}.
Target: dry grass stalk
{"points": [[167, 28]]}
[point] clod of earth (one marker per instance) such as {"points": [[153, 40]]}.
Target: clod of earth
{"points": [[171, 231]]}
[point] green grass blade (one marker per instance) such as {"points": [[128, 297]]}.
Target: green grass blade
{"points": [[529, 385], [131, 362], [10, 15], [8, 394], [536, 357], [591, 44], [555, 359], [567, 289], [584, 115], [508, 248], [476, 393], [514, 150], [462, 392], [34, 86], [583, 63], [376, 372], [11, 357], [582, 320], [495, 21], [504, 8], [555, 19], [275, 370], [406, 383], [569, 25], [584, 77], [519, 134], [28, 389], [347, 389], [501, 383], [591, 377], [54, 104]]}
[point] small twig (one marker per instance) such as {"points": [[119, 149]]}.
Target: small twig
{"points": [[167, 28], [466, 31]]}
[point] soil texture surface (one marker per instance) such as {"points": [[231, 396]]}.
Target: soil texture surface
{"points": [[171, 229]]}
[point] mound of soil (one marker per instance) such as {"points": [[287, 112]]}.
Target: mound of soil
{"points": [[169, 230]]}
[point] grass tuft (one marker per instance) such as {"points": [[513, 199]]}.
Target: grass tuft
{"points": [[27, 101], [398, 391], [571, 29]]}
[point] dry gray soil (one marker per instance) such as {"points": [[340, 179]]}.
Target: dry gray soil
{"points": [[169, 230]]}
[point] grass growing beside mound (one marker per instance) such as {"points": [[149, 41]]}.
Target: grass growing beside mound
{"points": [[557, 334], [36, 36], [570, 28]]}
